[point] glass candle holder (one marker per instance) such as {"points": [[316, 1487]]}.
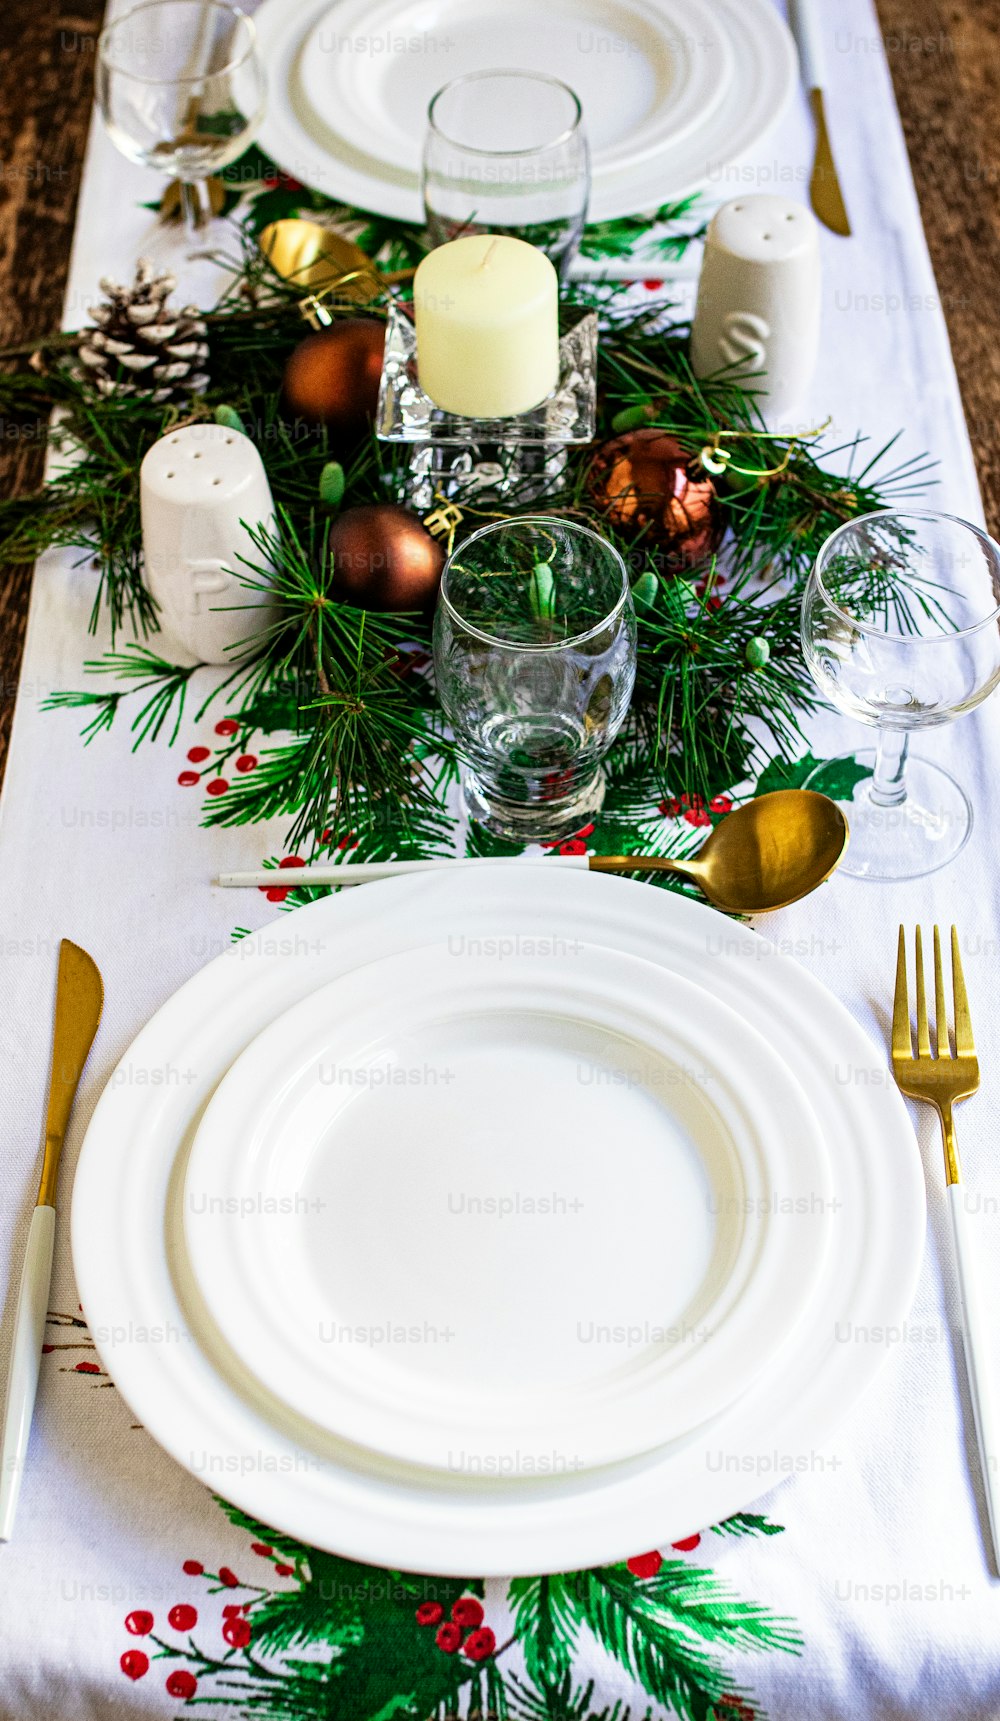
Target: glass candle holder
{"points": [[534, 651], [901, 630], [506, 152]]}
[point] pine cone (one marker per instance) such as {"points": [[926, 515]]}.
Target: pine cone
{"points": [[140, 345]]}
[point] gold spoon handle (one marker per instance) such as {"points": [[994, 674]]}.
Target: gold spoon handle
{"points": [[642, 863]]}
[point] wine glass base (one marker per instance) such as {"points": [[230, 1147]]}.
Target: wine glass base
{"points": [[533, 821], [917, 837]]}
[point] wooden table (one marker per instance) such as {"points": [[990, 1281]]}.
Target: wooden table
{"points": [[945, 61]]}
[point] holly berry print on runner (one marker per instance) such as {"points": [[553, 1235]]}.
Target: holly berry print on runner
{"points": [[415, 1647]]}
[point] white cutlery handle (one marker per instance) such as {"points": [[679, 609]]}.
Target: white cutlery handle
{"points": [[357, 872], [978, 1360], [25, 1356], [803, 15]]}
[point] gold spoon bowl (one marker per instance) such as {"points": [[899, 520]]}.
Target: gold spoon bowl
{"points": [[767, 854]]}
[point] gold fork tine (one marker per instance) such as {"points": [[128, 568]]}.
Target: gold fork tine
{"points": [[923, 1030], [965, 1045], [902, 1043], [940, 1007]]}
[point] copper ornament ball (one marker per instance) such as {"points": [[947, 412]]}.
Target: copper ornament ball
{"points": [[385, 559], [646, 482], [333, 376]]}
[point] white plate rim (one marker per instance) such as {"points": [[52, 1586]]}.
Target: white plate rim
{"points": [[130, 1165], [352, 178], [762, 1107], [699, 100]]}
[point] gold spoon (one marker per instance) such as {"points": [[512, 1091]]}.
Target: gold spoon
{"points": [[765, 855], [320, 262]]}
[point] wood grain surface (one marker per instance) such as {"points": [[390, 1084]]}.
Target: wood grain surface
{"points": [[945, 63]]}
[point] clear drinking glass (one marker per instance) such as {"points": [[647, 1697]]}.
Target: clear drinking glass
{"points": [[534, 649], [506, 152], [180, 87], [901, 630]]}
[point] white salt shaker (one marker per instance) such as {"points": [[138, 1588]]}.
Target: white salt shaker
{"points": [[759, 299], [197, 485]]}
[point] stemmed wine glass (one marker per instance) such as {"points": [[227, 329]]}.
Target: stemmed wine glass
{"points": [[901, 630], [506, 152], [180, 87]]}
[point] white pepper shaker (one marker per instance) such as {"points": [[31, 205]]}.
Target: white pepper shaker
{"points": [[759, 299], [201, 487]]}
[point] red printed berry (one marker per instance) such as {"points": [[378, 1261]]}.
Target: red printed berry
{"points": [[261, 1548], [197, 754], [134, 1663], [429, 1613], [181, 1683], [228, 1578], [480, 1644], [285, 1571], [182, 1617], [720, 804], [226, 726], [694, 816], [671, 808], [188, 779], [274, 892], [139, 1622], [292, 860], [247, 762], [194, 1568], [237, 1632], [218, 786], [467, 1612], [47, 1350], [686, 1543], [574, 846], [231, 1609], [448, 1637], [653, 284], [87, 1368], [645, 1565]]}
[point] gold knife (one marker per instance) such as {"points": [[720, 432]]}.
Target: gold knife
{"points": [[825, 194], [79, 999]]}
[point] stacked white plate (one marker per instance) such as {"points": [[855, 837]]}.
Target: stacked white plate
{"points": [[503, 1224], [672, 90]]}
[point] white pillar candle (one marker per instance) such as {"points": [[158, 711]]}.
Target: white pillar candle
{"points": [[487, 320]]}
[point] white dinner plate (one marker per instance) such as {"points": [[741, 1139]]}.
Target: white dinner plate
{"points": [[764, 74], [212, 1415], [591, 1149], [646, 71]]}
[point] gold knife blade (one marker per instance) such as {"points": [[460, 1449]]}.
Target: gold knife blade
{"points": [[825, 194], [79, 1001]]}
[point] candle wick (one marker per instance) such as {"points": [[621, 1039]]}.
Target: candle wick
{"points": [[489, 253]]}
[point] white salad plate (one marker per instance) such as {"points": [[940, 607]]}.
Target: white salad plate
{"points": [[762, 79], [219, 1421], [467, 1214], [645, 73]]}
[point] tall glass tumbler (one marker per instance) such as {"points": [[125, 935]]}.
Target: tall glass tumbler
{"points": [[534, 650], [506, 152]]}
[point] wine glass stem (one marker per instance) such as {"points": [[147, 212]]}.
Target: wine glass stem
{"points": [[196, 206], [888, 785]]}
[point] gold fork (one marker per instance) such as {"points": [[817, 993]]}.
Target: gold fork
{"points": [[941, 1079]]}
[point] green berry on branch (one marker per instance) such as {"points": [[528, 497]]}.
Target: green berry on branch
{"points": [[332, 484], [230, 418], [757, 652], [645, 590]]}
